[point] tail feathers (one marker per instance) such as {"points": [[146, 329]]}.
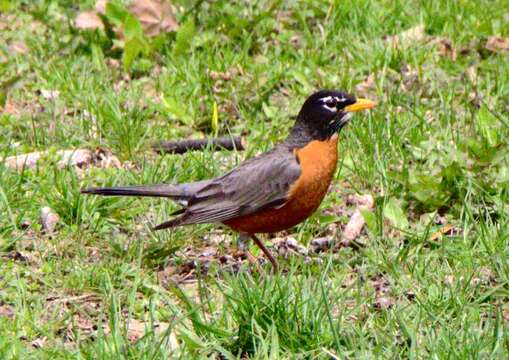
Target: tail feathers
{"points": [[170, 223], [170, 191]]}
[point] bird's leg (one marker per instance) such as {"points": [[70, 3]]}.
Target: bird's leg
{"points": [[266, 252], [243, 241]]}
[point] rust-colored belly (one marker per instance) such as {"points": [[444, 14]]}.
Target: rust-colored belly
{"points": [[318, 162]]}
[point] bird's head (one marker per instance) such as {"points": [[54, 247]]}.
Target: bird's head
{"points": [[325, 112]]}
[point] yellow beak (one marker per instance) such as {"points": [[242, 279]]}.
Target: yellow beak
{"points": [[360, 104]]}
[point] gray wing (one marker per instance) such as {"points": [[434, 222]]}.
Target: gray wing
{"points": [[259, 183]]}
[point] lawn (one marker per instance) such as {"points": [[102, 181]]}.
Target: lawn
{"points": [[84, 277]]}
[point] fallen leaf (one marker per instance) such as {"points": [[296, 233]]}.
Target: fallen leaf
{"points": [[365, 201], [444, 230], [10, 108], [409, 76], [382, 287], [6, 311], [49, 219], [155, 16], [49, 94], [16, 256], [497, 44], [384, 302], [18, 47], [320, 244], [380, 284], [88, 20], [289, 246], [105, 159], [407, 37], [445, 48]]}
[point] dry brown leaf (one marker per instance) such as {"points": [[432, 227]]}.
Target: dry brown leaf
{"points": [[444, 230], [88, 20], [288, 246], [320, 244], [445, 48], [156, 16], [49, 219], [6, 311], [384, 302], [18, 47], [409, 76], [49, 94], [105, 159], [11, 109], [497, 44], [407, 37], [18, 256], [366, 201]]}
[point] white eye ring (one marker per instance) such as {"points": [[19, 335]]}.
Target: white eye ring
{"points": [[330, 108], [327, 100]]}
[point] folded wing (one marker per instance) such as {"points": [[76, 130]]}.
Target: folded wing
{"points": [[259, 183]]}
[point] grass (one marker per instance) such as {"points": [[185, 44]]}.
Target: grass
{"points": [[433, 154]]}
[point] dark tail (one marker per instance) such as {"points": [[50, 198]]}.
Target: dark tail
{"points": [[170, 223], [181, 193], [170, 191]]}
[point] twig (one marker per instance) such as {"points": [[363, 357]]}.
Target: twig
{"points": [[182, 146], [73, 298]]}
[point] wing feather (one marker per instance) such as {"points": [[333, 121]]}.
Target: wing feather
{"points": [[259, 183]]}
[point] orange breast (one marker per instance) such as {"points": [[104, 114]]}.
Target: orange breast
{"points": [[318, 162]]}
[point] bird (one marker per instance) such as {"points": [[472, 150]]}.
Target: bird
{"points": [[270, 192]]}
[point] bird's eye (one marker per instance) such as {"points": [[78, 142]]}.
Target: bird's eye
{"points": [[331, 103]]}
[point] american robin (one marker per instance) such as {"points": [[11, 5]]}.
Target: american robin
{"points": [[272, 191]]}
